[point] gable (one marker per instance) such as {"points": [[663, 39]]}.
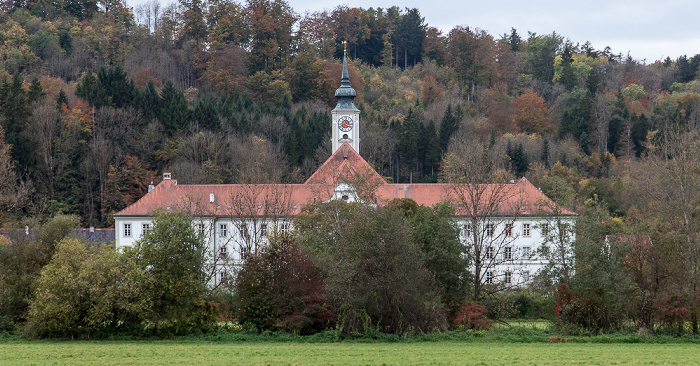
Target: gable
{"points": [[345, 166]]}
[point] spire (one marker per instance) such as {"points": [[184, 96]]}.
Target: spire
{"points": [[345, 93], [345, 79]]}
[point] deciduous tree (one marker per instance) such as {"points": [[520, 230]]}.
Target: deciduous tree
{"points": [[367, 255], [173, 257], [481, 195], [532, 114]]}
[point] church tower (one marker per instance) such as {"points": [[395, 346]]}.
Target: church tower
{"points": [[345, 117]]}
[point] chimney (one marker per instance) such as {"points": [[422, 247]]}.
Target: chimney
{"points": [[150, 187], [167, 176], [211, 198]]}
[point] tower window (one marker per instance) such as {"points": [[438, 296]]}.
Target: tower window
{"points": [[345, 136]]}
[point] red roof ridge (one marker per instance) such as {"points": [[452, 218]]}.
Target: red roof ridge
{"points": [[540, 197], [344, 161], [144, 200]]}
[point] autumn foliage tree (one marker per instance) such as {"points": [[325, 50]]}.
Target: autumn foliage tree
{"points": [[280, 288], [532, 114]]}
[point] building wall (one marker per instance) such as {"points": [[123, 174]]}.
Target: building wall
{"points": [[229, 238]]}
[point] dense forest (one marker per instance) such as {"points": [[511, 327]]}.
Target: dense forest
{"points": [[97, 100]]}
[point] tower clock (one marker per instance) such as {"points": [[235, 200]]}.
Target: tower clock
{"points": [[345, 117]]}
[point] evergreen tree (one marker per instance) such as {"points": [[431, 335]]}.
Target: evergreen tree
{"points": [[120, 89], [545, 153], [35, 90], [616, 125], [14, 106], [592, 82], [174, 114], [205, 113], [407, 148], [62, 99], [514, 40], [577, 115], [639, 134], [409, 35], [585, 143], [150, 101], [448, 126], [568, 77], [432, 153], [685, 70], [518, 159], [90, 89]]}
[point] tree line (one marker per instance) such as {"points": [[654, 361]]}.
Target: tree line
{"points": [[96, 100]]}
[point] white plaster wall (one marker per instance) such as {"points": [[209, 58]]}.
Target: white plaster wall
{"points": [[234, 240], [522, 268]]}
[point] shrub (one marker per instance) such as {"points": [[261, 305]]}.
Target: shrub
{"points": [[280, 288], [672, 310], [85, 290], [472, 315], [21, 262], [589, 311]]}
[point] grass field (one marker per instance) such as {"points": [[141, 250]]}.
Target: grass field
{"points": [[344, 353]]}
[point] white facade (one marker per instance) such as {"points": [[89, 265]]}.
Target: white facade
{"points": [[514, 250], [511, 257], [228, 239]]}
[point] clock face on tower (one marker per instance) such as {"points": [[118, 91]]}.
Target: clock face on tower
{"points": [[345, 123]]}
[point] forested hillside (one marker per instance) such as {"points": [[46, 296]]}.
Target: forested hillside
{"points": [[98, 99]]}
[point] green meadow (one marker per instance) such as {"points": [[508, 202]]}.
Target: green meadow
{"points": [[178, 352]]}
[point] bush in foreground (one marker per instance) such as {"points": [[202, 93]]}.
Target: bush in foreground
{"points": [[85, 290], [279, 288]]}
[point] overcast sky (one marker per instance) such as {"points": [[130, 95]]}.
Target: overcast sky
{"points": [[648, 30]]}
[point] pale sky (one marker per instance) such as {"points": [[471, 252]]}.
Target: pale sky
{"points": [[648, 29]]}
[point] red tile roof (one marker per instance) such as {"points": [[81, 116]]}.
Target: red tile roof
{"points": [[345, 165]]}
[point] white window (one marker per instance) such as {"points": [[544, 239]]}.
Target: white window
{"points": [[200, 229], [245, 251], [526, 276], [545, 229], [223, 251], [509, 230], [507, 253], [508, 277], [223, 230], [489, 229], [127, 230], [489, 277], [243, 230], [467, 230], [489, 253], [526, 252], [284, 228], [526, 229], [263, 230], [145, 227]]}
